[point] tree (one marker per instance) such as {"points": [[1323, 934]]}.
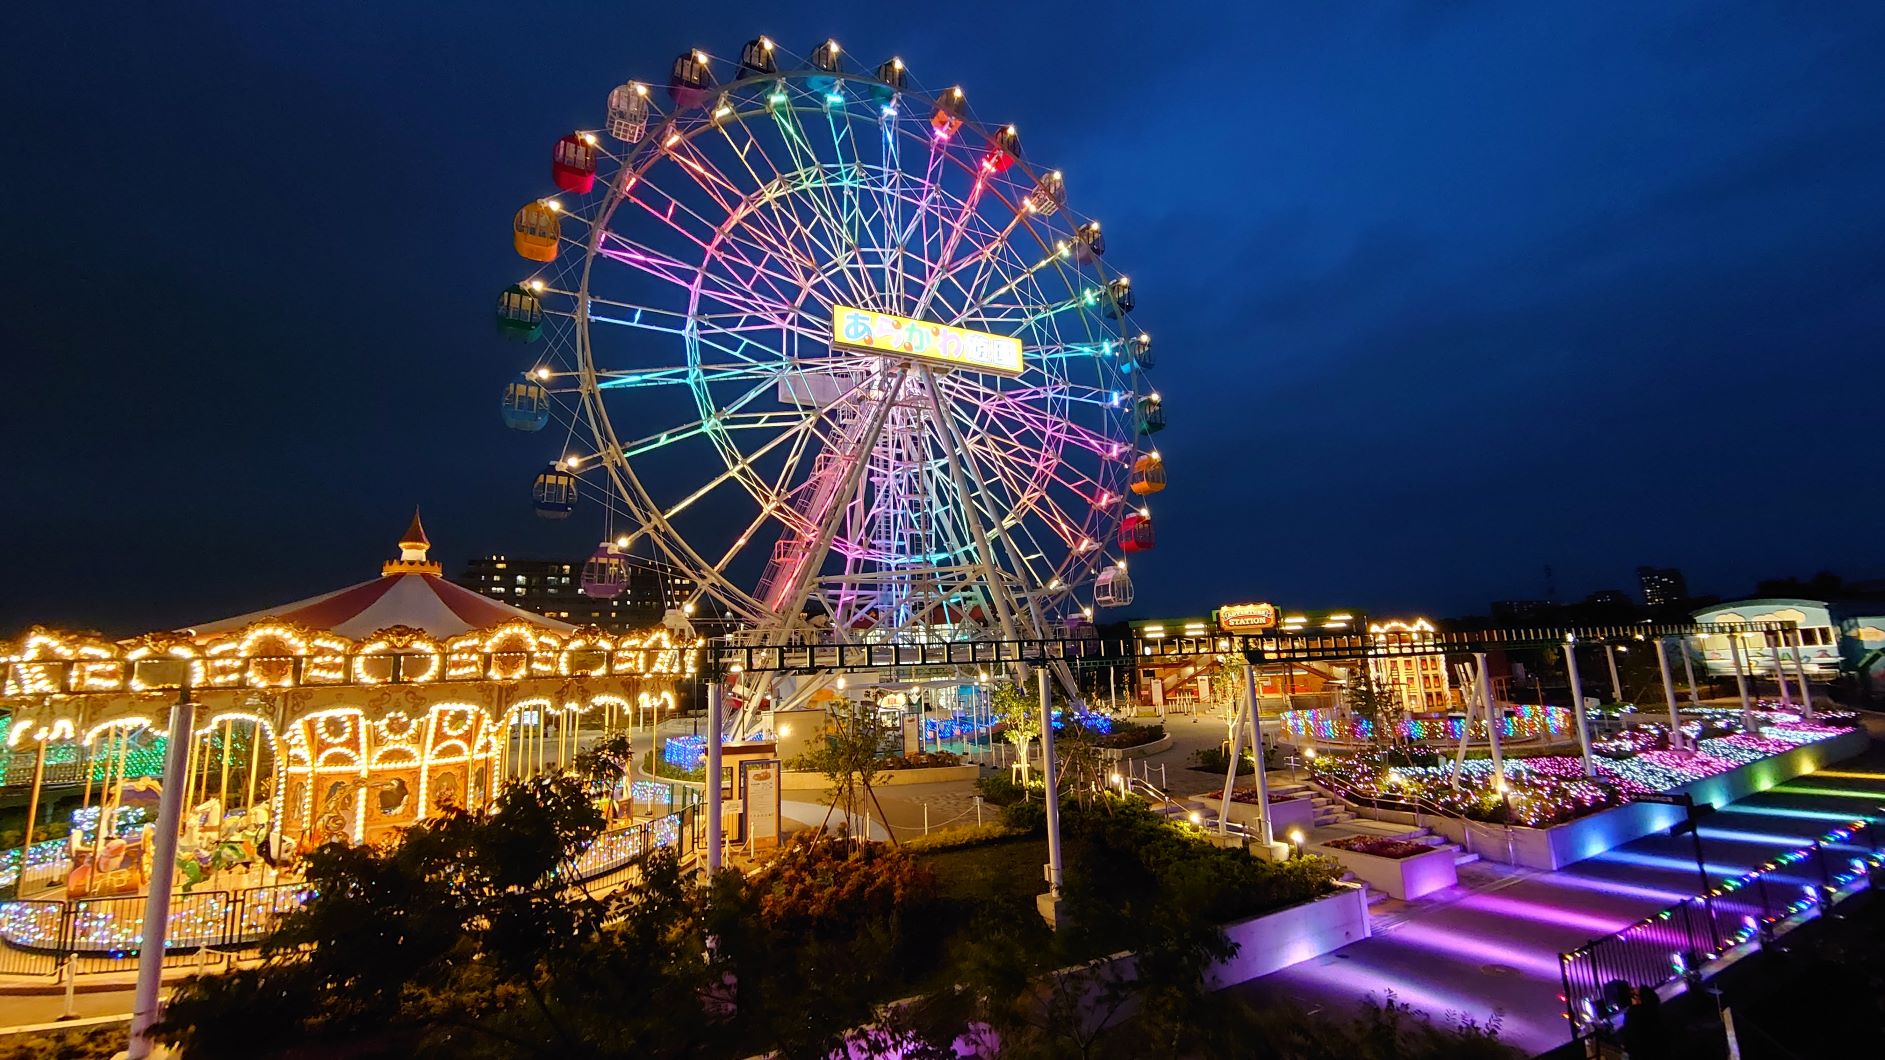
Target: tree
{"points": [[850, 760], [1019, 714]]}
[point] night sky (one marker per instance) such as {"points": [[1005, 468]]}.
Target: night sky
{"points": [[1443, 292]]}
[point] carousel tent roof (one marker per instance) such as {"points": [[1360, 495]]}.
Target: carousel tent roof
{"points": [[410, 591]]}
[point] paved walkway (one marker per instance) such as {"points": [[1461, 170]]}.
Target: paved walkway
{"points": [[1493, 942]]}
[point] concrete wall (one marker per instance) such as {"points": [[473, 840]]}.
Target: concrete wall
{"points": [[1565, 844]]}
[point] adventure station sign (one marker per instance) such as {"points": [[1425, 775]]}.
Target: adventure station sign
{"points": [[868, 331]]}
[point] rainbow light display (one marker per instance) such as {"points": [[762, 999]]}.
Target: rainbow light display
{"points": [[1522, 723]]}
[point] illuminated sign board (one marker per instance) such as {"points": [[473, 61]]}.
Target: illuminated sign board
{"points": [[1246, 618], [868, 331]]}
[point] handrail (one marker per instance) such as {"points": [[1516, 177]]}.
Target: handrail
{"points": [[1669, 944]]}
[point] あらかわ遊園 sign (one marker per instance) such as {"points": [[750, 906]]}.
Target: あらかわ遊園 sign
{"points": [[868, 331]]}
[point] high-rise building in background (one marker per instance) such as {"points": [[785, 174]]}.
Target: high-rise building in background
{"points": [[553, 588], [1662, 586]]}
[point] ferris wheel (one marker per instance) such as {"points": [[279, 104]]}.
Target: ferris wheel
{"points": [[838, 351]]}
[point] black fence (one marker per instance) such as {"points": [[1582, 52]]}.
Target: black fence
{"points": [[1680, 941]]}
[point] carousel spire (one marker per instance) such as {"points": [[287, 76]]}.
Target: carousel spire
{"points": [[413, 547]]}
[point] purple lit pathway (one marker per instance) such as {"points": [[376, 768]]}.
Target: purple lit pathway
{"points": [[1493, 942]]}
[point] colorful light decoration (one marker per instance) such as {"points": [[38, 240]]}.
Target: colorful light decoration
{"points": [[1552, 788]]}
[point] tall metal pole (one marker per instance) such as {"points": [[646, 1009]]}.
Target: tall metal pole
{"points": [[1799, 673], [1616, 683], [1230, 769], [1780, 674], [32, 816], [1492, 716], [1669, 694], [1049, 776], [1577, 707], [1688, 667], [715, 719], [1266, 833], [150, 955], [1741, 681]]}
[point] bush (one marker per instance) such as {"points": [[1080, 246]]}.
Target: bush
{"points": [[91, 1043], [966, 835], [817, 885], [1130, 734], [668, 772], [922, 760], [1025, 817], [998, 790], [1213, 760], [1132, 858]]}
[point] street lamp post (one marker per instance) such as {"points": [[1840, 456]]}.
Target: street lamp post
{"points": [[1049, 776], [1669, 695], [1577, 705], [150, 955]]}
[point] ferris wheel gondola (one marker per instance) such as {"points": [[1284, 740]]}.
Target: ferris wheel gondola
{"points": [[834, 347]]}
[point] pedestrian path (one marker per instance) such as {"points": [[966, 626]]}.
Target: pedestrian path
{"points": [[1493, 941]]}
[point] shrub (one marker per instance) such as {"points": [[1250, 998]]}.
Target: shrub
{"points": [[960, 836], [922, 760], [1213, 760], [1133, 856], [1130, 734], [998, 790], [1025, 816], [819, 885]]}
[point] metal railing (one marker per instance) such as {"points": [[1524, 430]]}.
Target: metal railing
{"points": [[1679, 942], [737, 655]]}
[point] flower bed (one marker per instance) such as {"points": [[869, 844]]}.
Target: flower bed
{"points": [[1380, 846], [1552, 789]]}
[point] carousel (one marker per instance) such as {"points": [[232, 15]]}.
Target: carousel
{"points": [[343, 717]]}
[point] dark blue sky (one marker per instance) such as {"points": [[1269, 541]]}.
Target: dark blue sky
{"points": [[1443, 291]]}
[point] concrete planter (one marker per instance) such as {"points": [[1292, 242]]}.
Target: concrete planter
{"points": [[1404, 878], [1276, 940], [1285, 814], [1563, 844], [1114, 754], [791, 781]]}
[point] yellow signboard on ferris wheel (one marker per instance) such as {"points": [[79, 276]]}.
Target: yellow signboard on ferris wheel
{"points": [[868, 331]]}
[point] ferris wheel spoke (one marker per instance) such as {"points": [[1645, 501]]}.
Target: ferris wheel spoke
{"points": [[809, 176], [712, 241], [838, 223]]}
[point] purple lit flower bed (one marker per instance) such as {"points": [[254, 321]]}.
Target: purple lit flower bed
{"points": [[1553, 788]]}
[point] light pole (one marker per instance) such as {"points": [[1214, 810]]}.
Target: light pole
{"points": [[1577, 704], [714, 722], [156, 928], [1669, 695], [1049, 776]]}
